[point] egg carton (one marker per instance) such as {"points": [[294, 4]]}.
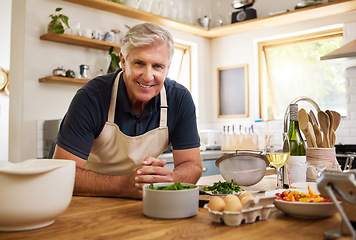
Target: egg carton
{"points": [[259, 201], [256, 209]]}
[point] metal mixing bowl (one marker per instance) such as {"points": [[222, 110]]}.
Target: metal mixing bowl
{"points": [[246, 167]]}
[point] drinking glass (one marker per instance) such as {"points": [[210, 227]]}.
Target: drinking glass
{"points": [[317, 168], [277, 151]]}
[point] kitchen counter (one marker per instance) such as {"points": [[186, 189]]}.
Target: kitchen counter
{"points": [[117, 218]]}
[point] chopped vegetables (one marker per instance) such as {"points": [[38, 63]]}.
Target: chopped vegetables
{"points": [[295, 196], [223, 187], [174, 186]]}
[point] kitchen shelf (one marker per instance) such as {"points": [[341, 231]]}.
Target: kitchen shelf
{"points": [[299, 15], [80, 41], [63, 80]]}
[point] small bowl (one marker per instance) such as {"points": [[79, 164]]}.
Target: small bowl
{"points": [[245, 167], [34, 192], [170, 204]]}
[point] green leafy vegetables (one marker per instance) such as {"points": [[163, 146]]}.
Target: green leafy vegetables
{"points": [[175, 186], [223, 187]]}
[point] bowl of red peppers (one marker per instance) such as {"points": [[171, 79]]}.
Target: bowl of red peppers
{"points": [[304, 204]]}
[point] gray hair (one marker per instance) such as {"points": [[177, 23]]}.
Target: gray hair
{"points": [[146, 34]]}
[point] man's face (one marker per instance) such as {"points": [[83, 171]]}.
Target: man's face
{"points": [[145, 69]]}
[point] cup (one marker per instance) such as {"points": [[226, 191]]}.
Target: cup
{"points": [[87, 33], [109, 37], [96, 34], [77, 30], [297, 173]]}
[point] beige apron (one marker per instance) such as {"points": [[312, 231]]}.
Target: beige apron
{"points": [[114, 153]]}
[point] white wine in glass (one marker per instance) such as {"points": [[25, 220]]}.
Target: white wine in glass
{"points": [[277, 151]]}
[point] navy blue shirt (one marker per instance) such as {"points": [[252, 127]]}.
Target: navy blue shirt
{"points": [[88, 113]]}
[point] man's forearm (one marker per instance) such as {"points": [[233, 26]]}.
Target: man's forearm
{"points": [[187, 172], [88, 183]]}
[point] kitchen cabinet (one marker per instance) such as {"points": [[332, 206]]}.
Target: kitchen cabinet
{"points": [[208, 158], [303, 14], [209, 167], [76, 41]]}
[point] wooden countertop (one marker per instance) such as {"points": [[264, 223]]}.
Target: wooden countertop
{"points": [[116, 218]]}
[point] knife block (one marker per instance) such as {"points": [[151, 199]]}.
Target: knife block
{"points": [[232, 142]]}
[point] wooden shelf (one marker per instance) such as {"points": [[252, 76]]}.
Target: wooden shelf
{"points": [[80, 41], [304, 14], [63, 80]]}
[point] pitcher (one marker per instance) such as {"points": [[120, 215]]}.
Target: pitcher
{"points": [[204, 22]]}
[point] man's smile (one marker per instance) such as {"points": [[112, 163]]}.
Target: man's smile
{"points": [[145, 86]]}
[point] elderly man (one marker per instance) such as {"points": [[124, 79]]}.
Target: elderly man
{"points": [[118, 124]]}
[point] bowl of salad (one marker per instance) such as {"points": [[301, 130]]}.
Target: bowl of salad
{"points": [[170, 200]]}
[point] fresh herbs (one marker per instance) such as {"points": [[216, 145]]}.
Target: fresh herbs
{"points": [[223, 187], [175, 186]]}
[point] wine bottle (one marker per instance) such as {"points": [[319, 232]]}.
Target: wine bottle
{"points": [[297, 155]]}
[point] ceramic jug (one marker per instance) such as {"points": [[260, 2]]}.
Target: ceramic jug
{"points": [[204, 22]]}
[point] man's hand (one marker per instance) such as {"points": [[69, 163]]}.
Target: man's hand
{"points": [[152, 171]]}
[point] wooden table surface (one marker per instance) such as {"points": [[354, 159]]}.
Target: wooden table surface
{"points": [[116, 218]]}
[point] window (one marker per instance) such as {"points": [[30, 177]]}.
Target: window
{"points": [[291, 68], [180, 70]]}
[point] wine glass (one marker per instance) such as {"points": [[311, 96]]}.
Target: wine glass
{"points": [[277, 150]]}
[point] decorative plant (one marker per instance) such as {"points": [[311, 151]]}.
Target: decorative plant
{"points": [[115, 61], [56, 24]]}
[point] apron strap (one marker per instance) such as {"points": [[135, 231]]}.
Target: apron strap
{"points": [[164, 106], [111, 114]]}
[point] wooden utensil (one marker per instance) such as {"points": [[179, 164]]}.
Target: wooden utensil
{"points": [[332, 138], [318, 136], [311, 134], [331, 119], [324, 125], [314, 120], [306, 127], [337, 119]]}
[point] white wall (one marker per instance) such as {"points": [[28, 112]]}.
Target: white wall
{"points": [[5, 26]]}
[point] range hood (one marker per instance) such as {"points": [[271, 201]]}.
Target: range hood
{"points": [[345, 55]]}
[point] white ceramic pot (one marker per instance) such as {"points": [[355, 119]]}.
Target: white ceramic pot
{"points": [[170, 204], [34, 192]]}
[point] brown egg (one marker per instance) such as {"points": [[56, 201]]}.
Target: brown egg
{"points": [[216, 204], [230, 197], [233, 204], [245, 197]]}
